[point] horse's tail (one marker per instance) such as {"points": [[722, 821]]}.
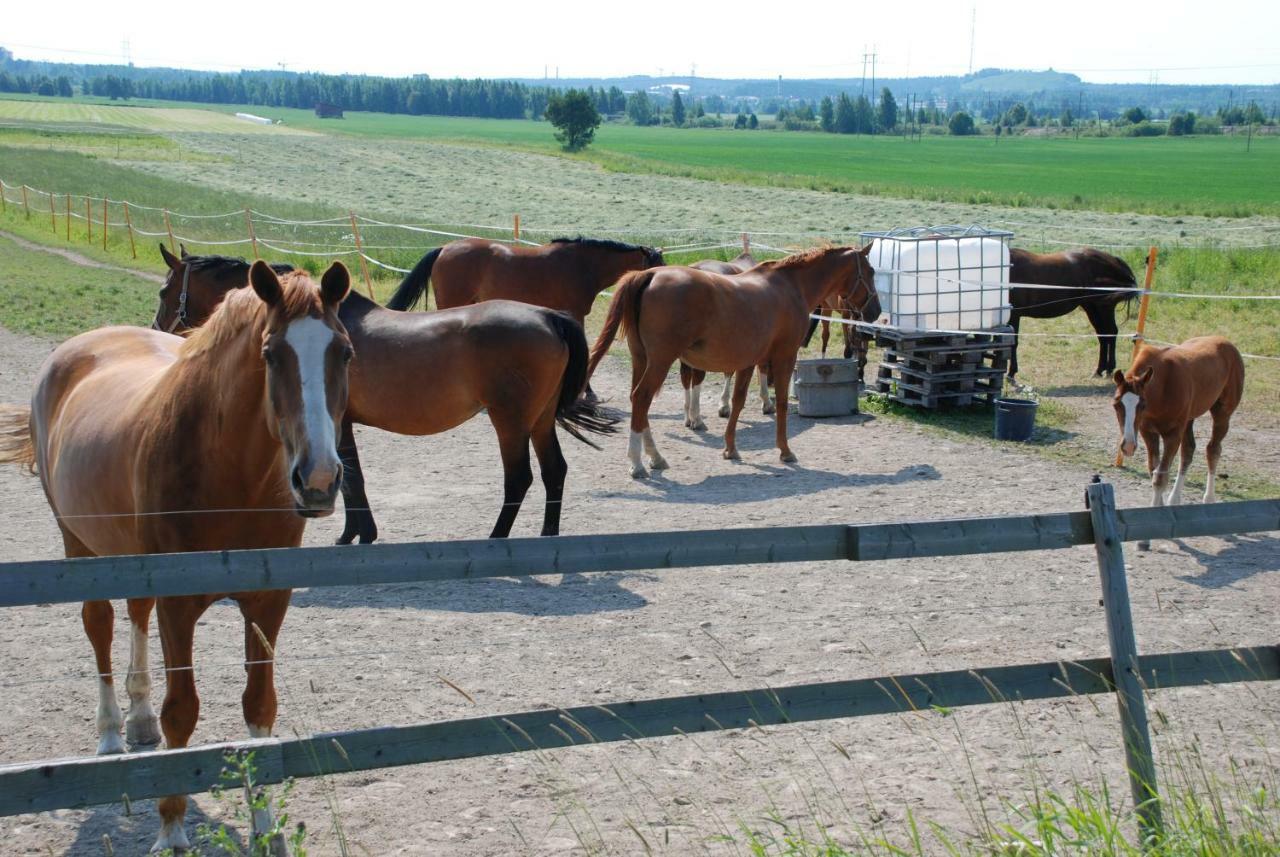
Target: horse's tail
{"points": [[813, 325], [16, 446], [573, 413], [624, 313], [414, 284]]}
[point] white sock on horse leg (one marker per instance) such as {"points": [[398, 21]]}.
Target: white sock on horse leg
{"points": [[141, 726], [726, 397], [764, 391], [109, 719], [1209, 495], [656, 461], [695, 407], [1176, 497], [1157, 488], [633, 454]]}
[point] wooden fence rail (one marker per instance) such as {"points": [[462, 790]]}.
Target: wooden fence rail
{"points": [[155, 575], [47, 785]]}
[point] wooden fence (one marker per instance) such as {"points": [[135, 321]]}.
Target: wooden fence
{"points": [[70, 783]]}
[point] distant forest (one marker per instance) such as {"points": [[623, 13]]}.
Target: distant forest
{"points": [[987, 94]]}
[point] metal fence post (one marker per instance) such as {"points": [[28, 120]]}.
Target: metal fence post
{"points": [[1101, 501]]}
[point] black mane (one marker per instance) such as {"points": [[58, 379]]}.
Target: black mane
{"points": [[222, 265], [653, 255]]}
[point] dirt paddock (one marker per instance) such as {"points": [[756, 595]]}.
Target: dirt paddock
{"points": [[354, 658]]}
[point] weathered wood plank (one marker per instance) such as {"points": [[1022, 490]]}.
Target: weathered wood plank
{"points": [[43, 786], [54, 581]]}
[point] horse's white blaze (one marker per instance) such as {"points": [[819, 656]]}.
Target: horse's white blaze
{"points": [[310, 338], [172, 836], [1130, 403], [109, 720]]}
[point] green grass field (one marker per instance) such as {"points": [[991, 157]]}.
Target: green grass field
{"points": [[1184, 175]]}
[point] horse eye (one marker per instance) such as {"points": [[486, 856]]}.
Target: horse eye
{"points": [[347, 354], [268, 357]]}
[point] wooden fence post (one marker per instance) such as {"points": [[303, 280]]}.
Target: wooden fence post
{"points": [[168, 227], [253, 238], [364, 265], [53, 216], [515, 229], [25, 205], [4, 203], [1101, 501], [128, 225], [88, 221], [1143, 303], [746, 243], [68, 217], [105, 202]]}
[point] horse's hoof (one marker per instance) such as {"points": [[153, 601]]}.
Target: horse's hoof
{"points": [[698, 425], [768, 408], [724, 411], [172, 839], [1144, 546], [346, 538], [143, 732], [657, 462], [789, 457], [731, 455], [369, 538], [639, 473], [110, 744]]}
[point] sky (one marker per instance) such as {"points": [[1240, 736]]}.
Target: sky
{"points": [[1103, 41]]}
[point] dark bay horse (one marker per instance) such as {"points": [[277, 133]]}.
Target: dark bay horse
{"points": [[726, 324], [524, 365], [1083, 268], [148, 443], [1163, 393], [565, 274]]}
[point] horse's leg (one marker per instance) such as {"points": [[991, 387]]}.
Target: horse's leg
{"points": [[826, 335], [726, 395], [1103, 320], [1015, 321], [1188, 449], [1169, 443], [517, 472], [686, 383], [263, 615], [181, 709], [98, 618], [1151, 439], [692, 380], [741, 383], [551, 463], [641, 435], [1212, 452], [846, 330], [141, 727], [782, 390], [359, 517], [766, 401]]}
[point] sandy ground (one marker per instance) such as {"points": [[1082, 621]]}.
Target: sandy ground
{"points": [[450, 184], [359, 657]]}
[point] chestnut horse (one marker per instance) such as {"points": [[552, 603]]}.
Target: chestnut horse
{"points": [[726, 324], [147, 443], [524, 365], [1088, 269], [691, 379], [1160, 397]]}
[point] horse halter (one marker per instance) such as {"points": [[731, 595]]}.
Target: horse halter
{"points": [[871, 294], [181, 317]]}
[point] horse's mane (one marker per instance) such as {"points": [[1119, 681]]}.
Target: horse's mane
{"points": [[230, 264], [242, 308], [803, 257], [610, 244]]}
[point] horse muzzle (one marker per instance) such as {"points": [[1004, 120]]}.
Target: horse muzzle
{"points": [[315, 490]]}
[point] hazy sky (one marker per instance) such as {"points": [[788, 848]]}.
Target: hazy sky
{"points": [[1227, 41]]}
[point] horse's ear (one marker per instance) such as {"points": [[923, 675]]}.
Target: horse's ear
{"points": [[182, 248], [1145, 377], [866, 250], [169, 259], [265, 283], [335, 283], [1118, 377]]}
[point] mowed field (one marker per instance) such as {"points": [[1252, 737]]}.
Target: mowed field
{"points": [[88, 115]]}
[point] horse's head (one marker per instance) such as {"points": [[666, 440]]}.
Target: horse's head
{"points": [[306, 351], [194, 287], [1129, 402], [859, 294], [652, 257]]}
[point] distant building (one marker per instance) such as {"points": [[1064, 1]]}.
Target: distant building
{"points": [[325, 110]]}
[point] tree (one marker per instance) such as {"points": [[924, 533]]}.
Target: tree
{"points": [[1134, 115], [741, 121], [1067, 119], [804, 112], [863, 116], [752, 122], [575, 117], [961, 124], [64, 86], [1016, 115], [846, 121], [639, 109], [922, 118], [698, 111], [827, 114], [888, 110], [677, 109]]}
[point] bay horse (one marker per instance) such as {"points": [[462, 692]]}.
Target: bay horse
{"points": [[1087, 269], [691, 379], [565, 274], [1160, 397], [524, 365], [726, 324], [147, 443]]}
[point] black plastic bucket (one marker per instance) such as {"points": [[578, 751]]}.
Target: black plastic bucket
{"points": [[1015, 419]]}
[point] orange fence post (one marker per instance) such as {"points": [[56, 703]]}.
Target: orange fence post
{"points": [[128, 225], [104, 222], [88, 221], [746, 243], [169, 228], [1138, 336], [25, 206], [253, 239], [364, 265], [515, 229]]}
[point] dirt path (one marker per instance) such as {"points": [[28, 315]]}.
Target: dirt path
{"points": [[79, 259], [353, 658]]}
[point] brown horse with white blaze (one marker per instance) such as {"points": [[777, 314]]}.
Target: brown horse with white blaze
{"points": [[1163, 393], [147, 443], [726, 324]]}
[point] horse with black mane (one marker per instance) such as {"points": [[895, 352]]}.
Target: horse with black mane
{"points": [[1090, 279], [469, 353]]}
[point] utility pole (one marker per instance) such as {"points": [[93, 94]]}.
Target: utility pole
{"points": [[873, 74], [973, 32], [862, 88]]}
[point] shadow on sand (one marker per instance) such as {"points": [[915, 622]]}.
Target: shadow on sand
{"points": [[1244, 557]]}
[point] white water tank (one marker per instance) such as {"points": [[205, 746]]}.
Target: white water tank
{"points": [[942, 277]]}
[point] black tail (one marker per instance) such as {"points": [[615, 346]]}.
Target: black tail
{"points": [[414, 284], [572, 413], [813, 325]]}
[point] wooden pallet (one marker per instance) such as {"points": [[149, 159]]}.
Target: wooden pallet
{"points": [[931, 370]]}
